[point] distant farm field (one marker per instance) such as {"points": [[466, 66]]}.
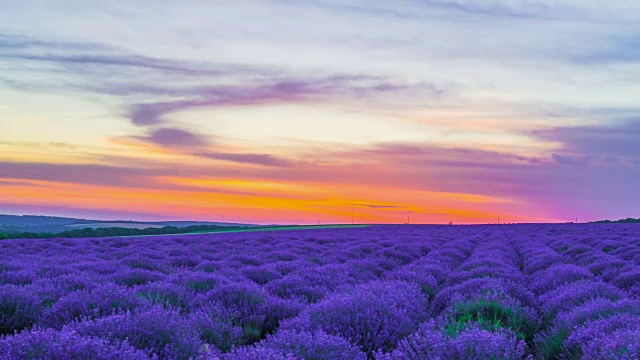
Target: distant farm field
{"points": [[264, 229], [377, 292], [126, 225]]}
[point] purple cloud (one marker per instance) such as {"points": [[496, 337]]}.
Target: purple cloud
{"points": [[79, 173], [277, 90], [132, 173], [571, 160], [420, 155], [175, 138], [80, 212], [152, 113], [600, 144], [19, 183]]}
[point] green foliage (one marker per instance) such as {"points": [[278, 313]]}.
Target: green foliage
{"points": [[251, 334], [552, 345], [491, 315]]}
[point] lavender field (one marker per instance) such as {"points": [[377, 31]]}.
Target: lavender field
{"points": [[382, 292]]}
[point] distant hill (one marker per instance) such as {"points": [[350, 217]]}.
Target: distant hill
{"points": [[627, 220], [53, 224]]}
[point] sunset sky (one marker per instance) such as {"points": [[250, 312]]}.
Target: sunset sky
{"points": [[292, 111]]}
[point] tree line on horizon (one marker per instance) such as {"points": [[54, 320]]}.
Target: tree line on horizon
{"points": [[627, 220], [116, 231]]}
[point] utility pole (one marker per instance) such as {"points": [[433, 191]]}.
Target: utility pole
{"points": [[353, 211]]}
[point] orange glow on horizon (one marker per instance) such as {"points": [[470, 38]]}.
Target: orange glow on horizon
{"points": [[270, 203]]}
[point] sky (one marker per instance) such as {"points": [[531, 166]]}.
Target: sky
{"points": [[327, 111]]}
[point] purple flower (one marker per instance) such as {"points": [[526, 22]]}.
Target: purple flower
{"points": [[19, 309], [101, 301], [556, 275], [471, 342], [374, 315], [136, 277], [551, 343], [383, 292], [144, 263], [216, 325], [155, 330], [312, 345], [169, 295], [428, 283], [257, 353], [573, 294], [616, 337], [310, 285], [198, 281], [66, 344], [262, 274], [259, 313], [628, 279], [473, 288]]}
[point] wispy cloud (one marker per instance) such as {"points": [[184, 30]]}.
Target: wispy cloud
{"points": [[516, 9], [95, 57], [187, 85], [537, 9], [617, 49]]}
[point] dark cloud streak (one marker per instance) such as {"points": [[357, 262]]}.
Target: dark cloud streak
{"points": [[255, 159], [374, 206]]}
